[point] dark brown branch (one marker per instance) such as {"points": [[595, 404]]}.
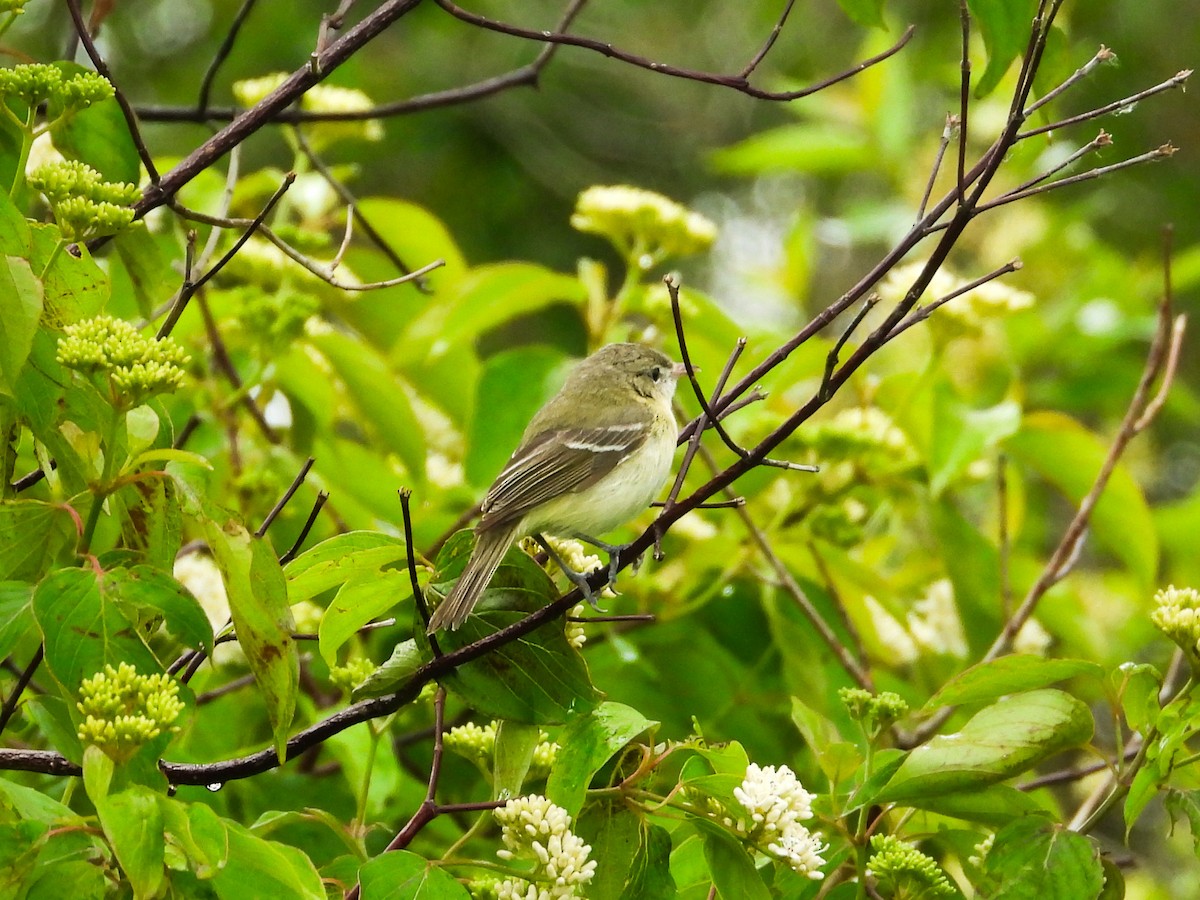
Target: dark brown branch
{"points": [[131, 121], [252, 119], [1176, 80], [189, 288], [736, 82], [322, 496], [222, 54], [924, 312], [10, 703], [287, 496], [769, 42], [964, 96]]}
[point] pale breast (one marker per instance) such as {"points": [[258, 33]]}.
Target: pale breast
{"points": [[616, 498]]}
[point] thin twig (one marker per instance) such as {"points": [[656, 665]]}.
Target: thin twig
{"points": [[924, 312], [10, 702], [1168, 332], [736, 82], [410, 555], [131, 122], [286, 498], [1103, 55], [769, 42], [189, 289], [221, 54], [1176, 80], [831, 359], [947, 133], [287, 557], [964, 97], [1154, 155], [324, 272]]}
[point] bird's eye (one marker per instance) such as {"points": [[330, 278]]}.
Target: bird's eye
{"points": [[655, 374]]}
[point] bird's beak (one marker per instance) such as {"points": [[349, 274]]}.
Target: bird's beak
{"points": [[679, 370]]}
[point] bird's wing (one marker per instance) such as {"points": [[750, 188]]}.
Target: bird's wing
{"points": [[553, 463]]}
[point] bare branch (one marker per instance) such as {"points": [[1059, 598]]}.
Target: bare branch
{"points": [[222, 54], [131, 121], [189, 288], [1175, 81], [736, 82]]}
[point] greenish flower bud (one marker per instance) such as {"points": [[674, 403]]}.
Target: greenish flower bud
{"points": [[1177, 615], [352, 674], [31, 82], [644, 226], [135, 366], [902, 872], [122, 709], [84, 89], [875, 711], [84, 204]]}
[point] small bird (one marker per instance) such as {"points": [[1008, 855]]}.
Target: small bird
{"points": [[591, 459]]}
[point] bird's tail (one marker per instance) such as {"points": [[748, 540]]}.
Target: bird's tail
{"points": [[490, 548]]}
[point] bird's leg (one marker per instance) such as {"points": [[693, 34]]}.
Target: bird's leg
{"points": [[614, 557], [579, 579]]}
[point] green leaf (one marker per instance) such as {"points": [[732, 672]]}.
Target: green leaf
{"points": [[406, 658], [150, 515], [14, 228], [199, 832], [538, 678], [1009, 675], [1144, 788], [98, 136], [144, 264], [586, 744], [995, 805], [1035, 859], [868, 13], [512, 387], [75, 287], [401, 875], [731, 867], [1005, 26], [145, 588], [962, 435], [16, 614], [1137, 686], [260, 868], [485, 297], [358, 602], [32, 533], [338, 559], [20, 309], [1070, 457], [819, 149], [999, 741], [261, 617], [614, 833], [379, 395], [133, 824], [513, 752], [417, 236], [650, 872], [84, 629]]}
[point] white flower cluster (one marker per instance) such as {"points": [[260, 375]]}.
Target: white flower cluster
{"points": [[535, 829], [777, 803], [645, 226], [992, 298], [1177, 615]]}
